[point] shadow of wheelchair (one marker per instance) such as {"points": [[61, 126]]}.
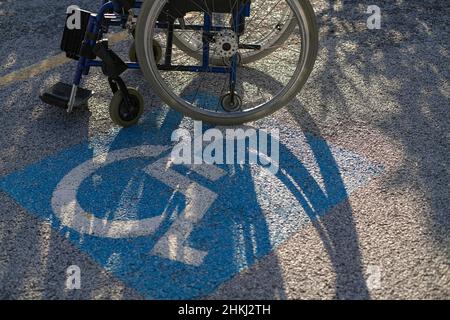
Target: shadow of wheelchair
{"points": [[235, 230]]}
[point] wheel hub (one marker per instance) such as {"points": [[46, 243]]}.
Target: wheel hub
{"points": [[231, 103], [227, 43], [129, 112]]}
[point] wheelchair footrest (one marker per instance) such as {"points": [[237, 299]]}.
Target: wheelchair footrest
{"points": [[59, 95]]}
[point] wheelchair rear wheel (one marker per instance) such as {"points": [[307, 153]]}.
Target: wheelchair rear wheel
{"points": [[238, 92]]}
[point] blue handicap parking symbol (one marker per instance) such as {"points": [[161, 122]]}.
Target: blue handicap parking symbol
{"points": [[179, 231]]}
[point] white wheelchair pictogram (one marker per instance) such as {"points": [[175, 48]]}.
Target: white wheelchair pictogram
{"points": [[172, 244]]}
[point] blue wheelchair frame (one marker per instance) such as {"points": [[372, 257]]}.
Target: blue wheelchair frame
{"points": [[115, 19]]}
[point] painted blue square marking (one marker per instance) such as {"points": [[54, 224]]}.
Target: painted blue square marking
{"points": [[252, 214]]}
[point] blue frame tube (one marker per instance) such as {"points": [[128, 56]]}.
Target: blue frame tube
{"points": [[207, 29], [93, 27]]}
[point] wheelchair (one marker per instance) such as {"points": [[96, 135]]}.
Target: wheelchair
{"points": [[225, 62]]}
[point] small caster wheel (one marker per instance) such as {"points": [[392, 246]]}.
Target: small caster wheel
{"points": [[132, 55], [157, 51], [230, 105], [120, 114]]}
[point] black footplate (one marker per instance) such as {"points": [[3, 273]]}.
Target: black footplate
{"points": [[59, 95]]}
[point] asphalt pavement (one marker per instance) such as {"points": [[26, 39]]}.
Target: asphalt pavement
{"points": [[359, 210]]}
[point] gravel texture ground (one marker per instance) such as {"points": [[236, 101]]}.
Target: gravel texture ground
{"points": [[383, 94]]}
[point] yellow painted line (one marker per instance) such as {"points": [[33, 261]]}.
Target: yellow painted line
{"points": [[49, 63], [34, 69]]}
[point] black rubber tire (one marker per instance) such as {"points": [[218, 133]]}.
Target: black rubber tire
{"points": [[117, 103], [132, 55], [157, 51]]}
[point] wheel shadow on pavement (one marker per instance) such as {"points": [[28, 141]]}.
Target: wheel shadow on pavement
{"points": [[338, 234], [233, 230], [235, 240]]}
